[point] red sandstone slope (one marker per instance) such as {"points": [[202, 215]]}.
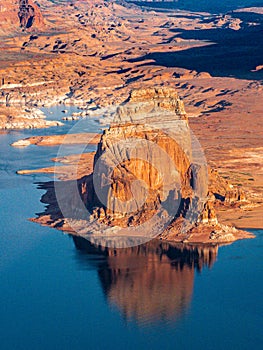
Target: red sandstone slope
{"points": [[19, 15]]}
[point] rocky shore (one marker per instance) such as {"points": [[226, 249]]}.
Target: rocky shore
{"points": [[24, 118]]}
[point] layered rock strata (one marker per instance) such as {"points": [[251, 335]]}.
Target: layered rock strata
{"points": [[24, 118]]}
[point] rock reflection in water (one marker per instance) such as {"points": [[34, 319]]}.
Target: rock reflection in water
{"points": [[151, 282]]}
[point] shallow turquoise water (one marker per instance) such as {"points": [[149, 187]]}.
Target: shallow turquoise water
{"points": [[60, 293]]}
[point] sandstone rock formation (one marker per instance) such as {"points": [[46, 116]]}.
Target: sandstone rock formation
{"points": [[18, 118], [88, 51], [150, 178], [145, 160], [29, 14], [89, 54]]}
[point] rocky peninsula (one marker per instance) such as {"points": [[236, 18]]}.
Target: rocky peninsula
{"points": [[148, 172]]}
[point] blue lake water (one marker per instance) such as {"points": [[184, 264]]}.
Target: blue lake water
{"points": [[212, 6], [59, 292]]}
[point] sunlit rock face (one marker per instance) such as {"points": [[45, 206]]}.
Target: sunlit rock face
{"points": [[150, 179], [151, 282], [145, 161], [139, 181]]}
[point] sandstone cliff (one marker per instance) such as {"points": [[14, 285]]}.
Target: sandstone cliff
{"points": [[144, 160]]}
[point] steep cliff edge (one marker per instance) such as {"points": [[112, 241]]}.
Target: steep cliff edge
{"points": [[143, 162], [149, 165]]}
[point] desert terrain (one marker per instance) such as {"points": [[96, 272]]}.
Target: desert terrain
{"points": [[94, 53]]}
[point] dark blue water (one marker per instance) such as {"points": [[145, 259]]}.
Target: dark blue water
{"points": [[212, 6], [57, 292]]}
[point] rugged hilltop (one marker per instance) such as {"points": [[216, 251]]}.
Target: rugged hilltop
{"points": [[148, 163]]}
